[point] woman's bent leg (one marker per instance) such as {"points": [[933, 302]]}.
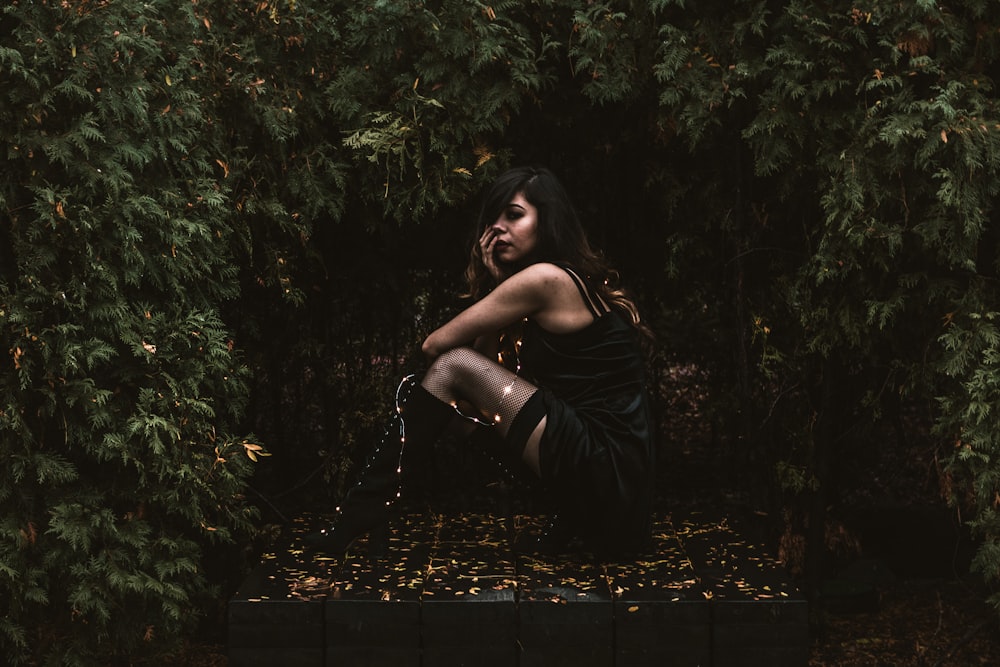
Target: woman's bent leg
{"points": [[418, 420], [501, 398]]}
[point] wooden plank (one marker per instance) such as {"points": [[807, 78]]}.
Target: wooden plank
{"points": [[278, 610], [468, 612], [269, 657], [450, 591], [662, 616], [759, 618], [566, 615], [372, 612], [475, 528]]}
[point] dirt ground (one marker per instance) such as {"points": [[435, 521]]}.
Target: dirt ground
{"points": [[928, 623], [916, 621]]}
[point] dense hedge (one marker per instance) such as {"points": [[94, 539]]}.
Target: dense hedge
{"points": [[237, 217], [122, 385]]}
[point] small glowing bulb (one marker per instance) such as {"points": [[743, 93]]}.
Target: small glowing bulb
{"points": [[496, 418]]}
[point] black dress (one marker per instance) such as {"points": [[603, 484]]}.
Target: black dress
{"points": [[596, 452]]}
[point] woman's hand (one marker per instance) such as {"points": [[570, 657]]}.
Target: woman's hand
{"points": [[487, 248]]}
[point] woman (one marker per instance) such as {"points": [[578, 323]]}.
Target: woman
{"points": [[573, 407]]}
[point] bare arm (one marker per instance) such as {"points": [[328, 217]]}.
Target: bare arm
{"points": [[527, 293]]}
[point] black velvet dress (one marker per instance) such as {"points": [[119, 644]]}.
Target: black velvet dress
{"points": [[597, 451]]}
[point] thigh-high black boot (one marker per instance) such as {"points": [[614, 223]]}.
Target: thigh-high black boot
{"points": [[558, 535], [417, 421]]}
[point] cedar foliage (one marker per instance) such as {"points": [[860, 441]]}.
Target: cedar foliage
{"points": [[122, 386], [222, 218]]}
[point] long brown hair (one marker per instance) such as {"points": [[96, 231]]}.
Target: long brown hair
{"points": [[561, 238]]}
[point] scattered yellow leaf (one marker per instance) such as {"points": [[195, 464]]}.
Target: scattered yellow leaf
{"points": [[254, 450], [483, 154]]}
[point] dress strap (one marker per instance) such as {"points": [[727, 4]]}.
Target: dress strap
{"points": [[594, 303]]}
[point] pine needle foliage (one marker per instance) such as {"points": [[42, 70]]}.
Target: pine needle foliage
{"points": [[121, 384]]}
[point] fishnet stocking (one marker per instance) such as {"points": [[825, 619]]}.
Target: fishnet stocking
{"points": [[464, 375]]}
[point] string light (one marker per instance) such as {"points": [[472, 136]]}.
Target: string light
{"points": [[409, 379], [509, 389], [399, 402]]}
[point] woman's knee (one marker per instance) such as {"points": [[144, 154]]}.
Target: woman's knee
{"points": [[453, 365]]}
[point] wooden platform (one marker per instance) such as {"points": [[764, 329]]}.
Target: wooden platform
{"points": [[451, 592]]}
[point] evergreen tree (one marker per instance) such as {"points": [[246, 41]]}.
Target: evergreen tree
{"points": [[121, 384]]}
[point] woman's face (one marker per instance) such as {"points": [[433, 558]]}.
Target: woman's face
{"points": [[516, 232]]}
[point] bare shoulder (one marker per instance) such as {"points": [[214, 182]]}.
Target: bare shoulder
{"points": [[540, 286], [560, 308], [544, 281], [544, 274]]}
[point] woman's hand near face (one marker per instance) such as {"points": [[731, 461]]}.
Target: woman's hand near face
{"points": [[487, 250]]}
